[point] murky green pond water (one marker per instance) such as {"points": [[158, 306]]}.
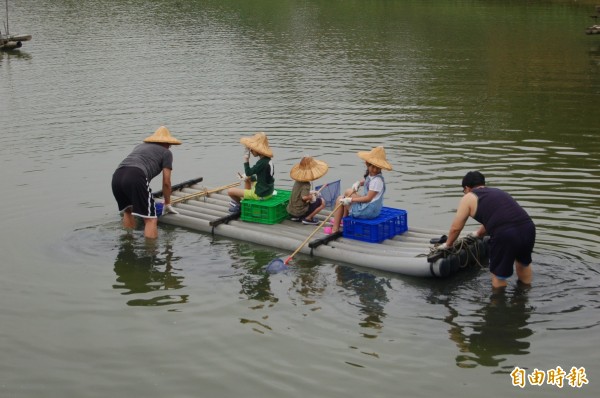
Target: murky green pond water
{"points": [[511, 88]]}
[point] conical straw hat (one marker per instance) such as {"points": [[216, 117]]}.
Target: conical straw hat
{"points": [[258, 143], [308, 169], [162, 135], [376, 157]]}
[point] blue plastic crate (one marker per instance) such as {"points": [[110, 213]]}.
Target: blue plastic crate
{"points": [[391, 222]]}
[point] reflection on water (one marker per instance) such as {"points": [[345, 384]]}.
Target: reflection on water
{"points": [[371, 294], [142, 269], [499, 328], [595, 55], [309, 283], [14, 54], [306, 284], [254, 280]]}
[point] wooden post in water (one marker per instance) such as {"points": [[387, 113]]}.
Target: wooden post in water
{"points": [[7, 31]]}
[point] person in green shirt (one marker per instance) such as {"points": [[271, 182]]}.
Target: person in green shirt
{"points": [[259, 181]]}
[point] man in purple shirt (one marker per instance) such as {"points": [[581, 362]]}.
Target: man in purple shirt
{"points": [[511, 230]]}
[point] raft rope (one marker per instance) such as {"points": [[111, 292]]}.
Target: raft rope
{"points": [[467, 243]]}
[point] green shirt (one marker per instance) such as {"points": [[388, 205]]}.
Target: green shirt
{"points": [[262, 172]]}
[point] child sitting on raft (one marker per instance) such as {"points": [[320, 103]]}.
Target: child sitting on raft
{"points": [[259, 182], [366, 204], [305, 204]]}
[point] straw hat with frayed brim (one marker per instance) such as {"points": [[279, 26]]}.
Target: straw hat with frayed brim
{"points": [[162, 135], [376, 157], [258, 143], [309, 169]]}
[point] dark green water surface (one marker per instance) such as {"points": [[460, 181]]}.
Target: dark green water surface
{"points": [[511, 88]]}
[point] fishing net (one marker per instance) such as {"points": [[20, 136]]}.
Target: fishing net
{"points": [[276, 266], [330, 193]]}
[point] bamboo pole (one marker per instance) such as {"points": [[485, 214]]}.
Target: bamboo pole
{"points": [[203, 193]]}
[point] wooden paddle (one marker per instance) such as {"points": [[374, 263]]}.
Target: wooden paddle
{"points": [[278, 265], [287, 260]]}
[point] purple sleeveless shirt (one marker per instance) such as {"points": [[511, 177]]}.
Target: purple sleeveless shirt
{"points": [[497, 210]]}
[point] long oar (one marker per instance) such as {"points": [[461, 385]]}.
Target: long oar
{"points": [[203, 193], [279, 265]]}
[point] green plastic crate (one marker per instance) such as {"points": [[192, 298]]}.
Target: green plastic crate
{"points": [[269, 211]]}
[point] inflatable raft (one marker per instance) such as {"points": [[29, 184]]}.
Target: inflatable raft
{"points": [[410, 253]]}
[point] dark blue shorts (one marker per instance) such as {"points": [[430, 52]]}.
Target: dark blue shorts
{"points": [[313, 206], [132, 190], [509, 245]]}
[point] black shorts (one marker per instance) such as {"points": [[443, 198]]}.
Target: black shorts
{"points": [[313, 206], [132, 189], [510, 245]]}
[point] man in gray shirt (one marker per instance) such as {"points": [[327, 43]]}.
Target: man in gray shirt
{"points": [[131, 181]]}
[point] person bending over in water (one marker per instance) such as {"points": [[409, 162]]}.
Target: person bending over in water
{"points": [[131, 181], [511, 230]]}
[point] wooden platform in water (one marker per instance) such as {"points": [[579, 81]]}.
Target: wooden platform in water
{"points": [[593, 30], [10, 42]]}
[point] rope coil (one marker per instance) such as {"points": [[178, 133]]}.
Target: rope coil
{"points": [[469, 244]]}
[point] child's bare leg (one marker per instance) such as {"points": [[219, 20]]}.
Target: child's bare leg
{"points": [[236, 194], [337, 215]]}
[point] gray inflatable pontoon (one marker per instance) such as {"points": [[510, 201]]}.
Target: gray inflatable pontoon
{"points": [[410, 253]]}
